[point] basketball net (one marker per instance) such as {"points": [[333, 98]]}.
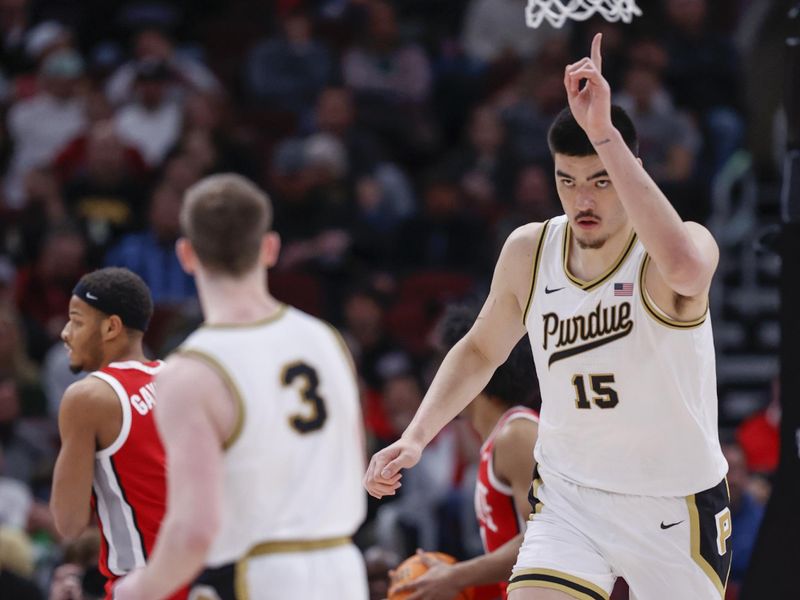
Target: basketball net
{"points": [[558, 11]]}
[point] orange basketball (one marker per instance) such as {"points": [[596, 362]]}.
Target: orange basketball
{"points": [[412, 568]]}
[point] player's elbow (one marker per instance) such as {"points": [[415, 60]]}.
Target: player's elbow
{"points": [[69, 523]]}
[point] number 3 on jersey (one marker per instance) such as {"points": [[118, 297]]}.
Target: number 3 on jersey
{"points": [[606, 396], [309, 393]]}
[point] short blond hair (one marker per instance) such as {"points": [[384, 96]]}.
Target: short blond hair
{"points": [[225, 217]]}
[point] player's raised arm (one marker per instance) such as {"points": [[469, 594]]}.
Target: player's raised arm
{"points": [[468, 366], [684, 254]]}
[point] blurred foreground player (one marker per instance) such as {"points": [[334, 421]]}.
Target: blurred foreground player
{"points": [[261, 418], [111, 459]]}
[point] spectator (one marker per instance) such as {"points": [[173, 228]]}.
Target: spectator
{"points": [[45, 287], [152, 122], [154, 45], [313, 222], [336, 114], [533, 201], [40, 126], [528, 108], [703, 74], [392, 81], [443, 235], [746, 512], [483, 166], [71, 161], [668, 140], [151, 253], [27, 451], [15, 363], [106, 195], [14, 23], [759, 435], [496, 28], [375, 352], [287, 71], [16, 566], [207, 117]]}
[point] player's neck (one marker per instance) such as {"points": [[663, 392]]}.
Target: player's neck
{"points": [[485, 416], [228, 300], [125, 353], [590, 263]]}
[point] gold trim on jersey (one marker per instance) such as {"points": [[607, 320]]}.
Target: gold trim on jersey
{"points": [[536, 484], [344, 348], [279, 314], [652, 309], [240, 589], [694, 528], [590, 285], [574, 587], [534, 272], [226, 377]]}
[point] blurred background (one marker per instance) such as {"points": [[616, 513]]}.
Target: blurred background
{"points": [[401, 142]]}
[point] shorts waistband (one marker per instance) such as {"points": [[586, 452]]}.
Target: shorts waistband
{"points": [[281, 546]]}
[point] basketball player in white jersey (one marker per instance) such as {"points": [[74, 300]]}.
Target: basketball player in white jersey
{"points": [[614, 297], [260, 412]]}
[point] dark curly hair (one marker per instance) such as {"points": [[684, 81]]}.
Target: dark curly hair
{"points": [[514, 382]]}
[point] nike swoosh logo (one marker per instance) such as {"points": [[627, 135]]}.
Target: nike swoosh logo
{"points": [[91, 296], [670, 525], [549, 291]]}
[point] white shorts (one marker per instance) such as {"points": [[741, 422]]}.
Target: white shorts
{"points": [[328, 574], [579, 540]]}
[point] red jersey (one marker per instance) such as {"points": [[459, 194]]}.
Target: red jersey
{"points": [[494, 500], [129, 494]]}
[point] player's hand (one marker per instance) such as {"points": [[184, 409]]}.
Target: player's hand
{"points": [[437, 583], [384, 471], [591, 106]]}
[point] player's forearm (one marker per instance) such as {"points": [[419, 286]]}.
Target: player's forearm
{"points": [[492, 567], [658, 225], [462, 375], [177, 558], [69, 503]]}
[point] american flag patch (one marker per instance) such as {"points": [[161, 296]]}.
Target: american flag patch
{"points": [[623, 289]]}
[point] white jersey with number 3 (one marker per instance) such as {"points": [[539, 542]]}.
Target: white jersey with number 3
{"points": [[294, 463], [629, 399]]}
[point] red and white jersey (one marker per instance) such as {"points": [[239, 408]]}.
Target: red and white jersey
{"points": [[495, 509], [130, 479]]}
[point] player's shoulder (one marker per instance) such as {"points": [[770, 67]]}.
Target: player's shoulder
{"points": [[517, 431], [525, 236], [86, 396], [518, 253]]}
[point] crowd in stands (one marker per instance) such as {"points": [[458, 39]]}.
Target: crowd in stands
{"points": [[400, 141]]}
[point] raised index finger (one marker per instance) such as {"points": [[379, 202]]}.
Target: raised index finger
{"points": [[597, 58]]}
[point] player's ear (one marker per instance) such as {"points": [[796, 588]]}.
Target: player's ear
{"points": [[270, 249], [186, 255], [639, 159], [111, 327]]}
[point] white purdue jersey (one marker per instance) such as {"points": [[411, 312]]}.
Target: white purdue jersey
{"points": [[629, 399], [293, 465]]}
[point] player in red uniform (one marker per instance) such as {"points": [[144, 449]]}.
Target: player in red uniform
{"points": [[508, 432], [111, 459]]}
